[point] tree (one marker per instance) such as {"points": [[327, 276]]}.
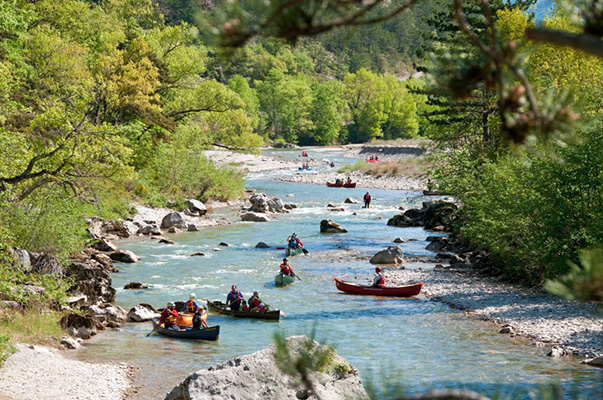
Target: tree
{"points": [[326, 112]]}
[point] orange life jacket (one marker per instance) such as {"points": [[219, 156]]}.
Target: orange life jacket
{"points": [[190, 306], [285, 270]]}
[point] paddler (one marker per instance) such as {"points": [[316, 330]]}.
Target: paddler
{"points": [[233, 299], [379, 279], [191, 305], [254, 301], [169, 316], [199, 319], [286, 268]]}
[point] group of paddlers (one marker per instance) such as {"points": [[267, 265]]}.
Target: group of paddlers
{"points": [[169, 316], [305, 165], [304, 154], [373, 158], [235, 301]]}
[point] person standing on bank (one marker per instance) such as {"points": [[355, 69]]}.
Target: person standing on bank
{"points": [[367, 200]]}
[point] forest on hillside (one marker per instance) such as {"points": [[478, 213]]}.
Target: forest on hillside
{"points": [[103, 102]]}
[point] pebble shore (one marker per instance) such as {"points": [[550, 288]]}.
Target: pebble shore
{"points": [[570, 327]]}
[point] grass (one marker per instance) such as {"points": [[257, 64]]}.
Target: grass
{"points": [[33, 327], [415, 167]]}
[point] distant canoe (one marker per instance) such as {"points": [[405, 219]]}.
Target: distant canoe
{"points": [[211, 333], [219, 307], [293, 252], [433, 193], [304, 169], [396, 291], [345, 185], [283, 280], [369, 160]]}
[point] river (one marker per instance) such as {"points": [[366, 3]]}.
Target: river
{"points": [[414, 344]]}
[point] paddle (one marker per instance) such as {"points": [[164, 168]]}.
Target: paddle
{"points": [[224, 309], [154, 327], [280, 248], [305, 251], [281, 311]]}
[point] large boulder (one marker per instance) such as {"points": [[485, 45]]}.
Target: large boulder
{"points": [[44, 263], [257, 376], [151, 229], [21, 259], [142, 313], [91, 279], [328, 226], [254, 217], [350, 200], [124, 256], [391, 255], [99, 228], [261, 203], [439, 214], [173, 219], [196, 206], [438, 243], [403, 220], [104, 245]]}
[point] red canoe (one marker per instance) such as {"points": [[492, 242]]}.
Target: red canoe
{"points": [[399, 291], [345, 185]]}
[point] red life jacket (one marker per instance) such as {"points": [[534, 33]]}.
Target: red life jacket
{"points": [[190, 306], [367, 196], [382, 282], [299, 243], [285, 269], [255, 303]]}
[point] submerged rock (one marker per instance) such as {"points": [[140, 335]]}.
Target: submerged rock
{"points": [[254, 217], [257, 376]]}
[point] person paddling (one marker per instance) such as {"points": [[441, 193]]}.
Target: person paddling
{"points": [[379, 279], [169, 316], [191, 306], [233, 299], [199, 319], [254, 301], [286, 268]]}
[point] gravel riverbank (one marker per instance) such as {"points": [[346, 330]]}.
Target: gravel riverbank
{"points": [[35, 373], [572, 327]]}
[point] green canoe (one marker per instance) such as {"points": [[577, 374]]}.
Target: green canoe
{"points": [[282, 280], [293, 252]]}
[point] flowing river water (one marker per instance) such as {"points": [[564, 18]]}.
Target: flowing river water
{"points": [[415, 344]]}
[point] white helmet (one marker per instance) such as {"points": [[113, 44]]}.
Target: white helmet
{"points": [[193, 296], [171, 304]]}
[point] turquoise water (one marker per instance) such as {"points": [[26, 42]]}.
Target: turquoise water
{"points": [[415, 343]]}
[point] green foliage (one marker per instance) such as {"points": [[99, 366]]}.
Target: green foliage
{"points": [[6, 348], [584, 281], [532, 209], [30, 327], [326, 113]]}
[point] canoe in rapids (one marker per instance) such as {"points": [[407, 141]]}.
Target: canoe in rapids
{"points": [[282, 280], [211, 333], [293, 252], [397, 291], [219, 307]]}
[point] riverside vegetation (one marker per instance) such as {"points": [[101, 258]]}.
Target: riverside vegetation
{"points": [[104, 102]]}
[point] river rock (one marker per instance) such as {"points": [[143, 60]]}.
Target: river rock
{"points": [[44, 263], [91, 279], [10, 305], [196, 206], [391, 255], [290, 206], [70, 343], [135, 285], [141, 313], [173, 229], [350, 200], [331, 205], [124, 256], [21, 259], [173, 219], [399, 240], [224, 244], [196, 254], [254, 217], [104, 245], [438, 243], [151, 229], [257, 376], [262, 245], [328, 226], [261, 203], [556, 352], [99, 228], [80, 326], [337, 209], [192, 228]]}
